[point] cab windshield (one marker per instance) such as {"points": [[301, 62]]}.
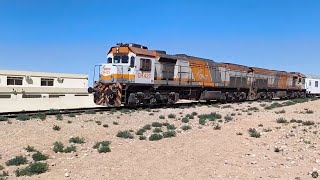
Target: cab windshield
{"points": [[121, 59]]}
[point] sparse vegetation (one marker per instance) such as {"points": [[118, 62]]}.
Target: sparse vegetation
{"points": [[155, 137], [239, 133], [98, 123], [194, 113], [169, 134], [58, 147], [276, 149], [156, 124], [253, 109], [140, 131], [165, 124], [142, 137], [38, 156], [125, 135], [254, 133], [147, 127], [30, 149], [69, 121], [267, 130], [102, 147], [32, 169], [217, 127], [308, 123], [202, 121], [115, 123], [309, 111], [185, 120], [17, 161], [233, 114], [41, 116], [77, 140], [210, 117], [293, 121], [226, 106], [185, 127], [281, 120], [228, 118], [249, 113], [70, 149], [3, 118], [151, 114], [260, 125], [190, 116], [162, 117], [23, 117], [72, 115], [105, 125], [90, 112], [171, 116], [171, 127], [157, 130], [59, 117], [56, 128]]}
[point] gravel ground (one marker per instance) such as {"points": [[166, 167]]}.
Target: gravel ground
{"points": [[203, 152]]}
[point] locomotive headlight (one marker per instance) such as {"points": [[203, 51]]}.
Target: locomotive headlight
{"points": [[117, 49]]}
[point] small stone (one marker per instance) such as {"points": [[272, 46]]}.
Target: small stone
{"points": [[66, 175], [52, 164], [254, 162], [85, 154], [27, 154]]}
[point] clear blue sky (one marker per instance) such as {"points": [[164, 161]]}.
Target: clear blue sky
{"points": [[73, 35]]}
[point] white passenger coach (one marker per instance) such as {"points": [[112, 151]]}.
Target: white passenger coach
{"points": [[312, 85]]}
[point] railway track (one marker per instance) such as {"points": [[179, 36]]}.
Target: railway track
{"points": [[106, 109]]}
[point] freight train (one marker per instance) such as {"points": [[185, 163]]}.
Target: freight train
{"points": [[134, 75]]}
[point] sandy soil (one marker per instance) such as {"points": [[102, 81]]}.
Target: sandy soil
{"points": [[199, 153]]}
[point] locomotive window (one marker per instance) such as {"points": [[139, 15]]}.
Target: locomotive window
{"points": [[116, 59], [124, 59], [132, 61], [109, 61], [310, 83], [14, 80], [316, 85], [145, 64]]}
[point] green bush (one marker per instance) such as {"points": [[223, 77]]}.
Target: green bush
{"points": [[293, 121], [202, 121], [194, 113], [171, 116], [162, 117], [102, 143], [299, 121], [77, 140], [157, 130], [125, 135], [253, 109], [59, 117], [38, 156], [210, 117], [165, 124], [228, 118], [171, 127], [260, 125], [142, 137], [233, 114], [185, 120], [217, 127], [104, 149], [155, 137], [156, 124], [56, 128], [32, 169], [23, 117], [308, 123], [169, 134], [70, 149], [254, 133], [105, 125], [30, 149], [189, 116], [3, 118], [147, 127], [58, 147], [72, 115], [17, 161], [41, 116], [309, 111], [281, 120], [140, 131], [185, 127]]}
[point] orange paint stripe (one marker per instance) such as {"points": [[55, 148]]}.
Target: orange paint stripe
{"points": [[118, 76]]}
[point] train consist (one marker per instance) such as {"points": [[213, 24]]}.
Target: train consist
{"points": [[134, 75]]}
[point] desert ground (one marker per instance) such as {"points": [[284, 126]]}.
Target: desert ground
{"points": [[285, 144]]}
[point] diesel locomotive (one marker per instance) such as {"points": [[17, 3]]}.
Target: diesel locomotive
{"points": [[134, 75]]}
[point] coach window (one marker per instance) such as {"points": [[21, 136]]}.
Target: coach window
{"points": [[124, 59], [132, 61], [310, 83], [109, 61], [145, 64], [46, 82], [14, 81], [316, 84]]}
